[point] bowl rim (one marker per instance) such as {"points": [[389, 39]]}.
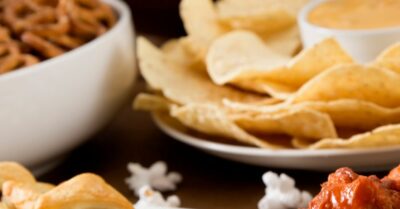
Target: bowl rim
{"points": [[124, 15], [302, 19]]}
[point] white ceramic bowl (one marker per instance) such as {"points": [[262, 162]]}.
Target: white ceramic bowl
{"points": [[49, 108], [363, 45]]}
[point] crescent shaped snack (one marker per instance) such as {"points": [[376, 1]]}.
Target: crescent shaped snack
{"points": [[83, 191], [21, 195], [10, 171], [20, 190]]}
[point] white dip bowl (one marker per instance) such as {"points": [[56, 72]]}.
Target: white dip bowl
{"points": [[364, 45], [51, 107]]}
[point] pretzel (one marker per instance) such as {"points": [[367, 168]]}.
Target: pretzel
{"points": [[28, 60], [9, 52], [21, 15], [4, 35], [59, 26], [37, 16], [48, 28], [58, 33], [49, 25], [2, 6], [89, 18], [9, 57], [45, 48], [50, 3]]}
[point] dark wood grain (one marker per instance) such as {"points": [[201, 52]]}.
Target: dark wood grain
{"points": [[209, 182], [160, 17]]}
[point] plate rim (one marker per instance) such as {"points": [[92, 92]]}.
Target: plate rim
{"points": [[205, 144]]}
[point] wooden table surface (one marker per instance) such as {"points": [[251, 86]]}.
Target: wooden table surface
{"points": [[208, 182]]}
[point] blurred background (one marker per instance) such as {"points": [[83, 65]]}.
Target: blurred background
{"points": [[157, 17]]}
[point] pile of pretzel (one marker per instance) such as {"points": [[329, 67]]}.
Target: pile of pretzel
{"points": [[35, 30]]}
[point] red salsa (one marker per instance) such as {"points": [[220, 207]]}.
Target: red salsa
{"points": [[345, 189]]}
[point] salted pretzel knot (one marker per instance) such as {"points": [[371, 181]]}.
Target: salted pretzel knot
{"points": [[48, 28], [10, 53], [22, 15], [57, 33], [11, 58], [4, 35], [44, 47], [89, 18], [42, 26]]}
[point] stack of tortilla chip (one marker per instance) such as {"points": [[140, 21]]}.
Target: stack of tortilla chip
{"points": [[239, 74]]}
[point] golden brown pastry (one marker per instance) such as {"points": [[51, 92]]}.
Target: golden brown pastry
{"points": [[10, 171], [23, 195], [3, 206], [85, 191]]}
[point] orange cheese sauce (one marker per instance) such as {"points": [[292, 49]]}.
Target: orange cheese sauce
{"points": [[356, 14]]}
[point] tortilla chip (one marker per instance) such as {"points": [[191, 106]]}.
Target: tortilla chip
{"points": [[211, 119], [240, 54], [301, 143], [355, 114], [377, 85], [286, 42], [390, 58], [261, 16], [250, 45], [240, 58], [150, 102], [309, 63], [274, 21], [381, 137], [295, 122], [179, 83], [275, 90], [302, 123], [345, 113], [201, 24], [205, 118], [175, 50]]}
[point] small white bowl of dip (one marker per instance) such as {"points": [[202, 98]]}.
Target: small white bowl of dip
{"points": [[363, 37]]}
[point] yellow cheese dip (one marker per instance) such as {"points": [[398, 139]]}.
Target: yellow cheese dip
{"points": [[356, 14]]}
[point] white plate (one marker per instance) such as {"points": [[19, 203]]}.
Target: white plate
{"points": [[321, 160]]}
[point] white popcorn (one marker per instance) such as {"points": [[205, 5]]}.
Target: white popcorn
{"points": [[148, 198], [281, 193], [156, 177]]}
